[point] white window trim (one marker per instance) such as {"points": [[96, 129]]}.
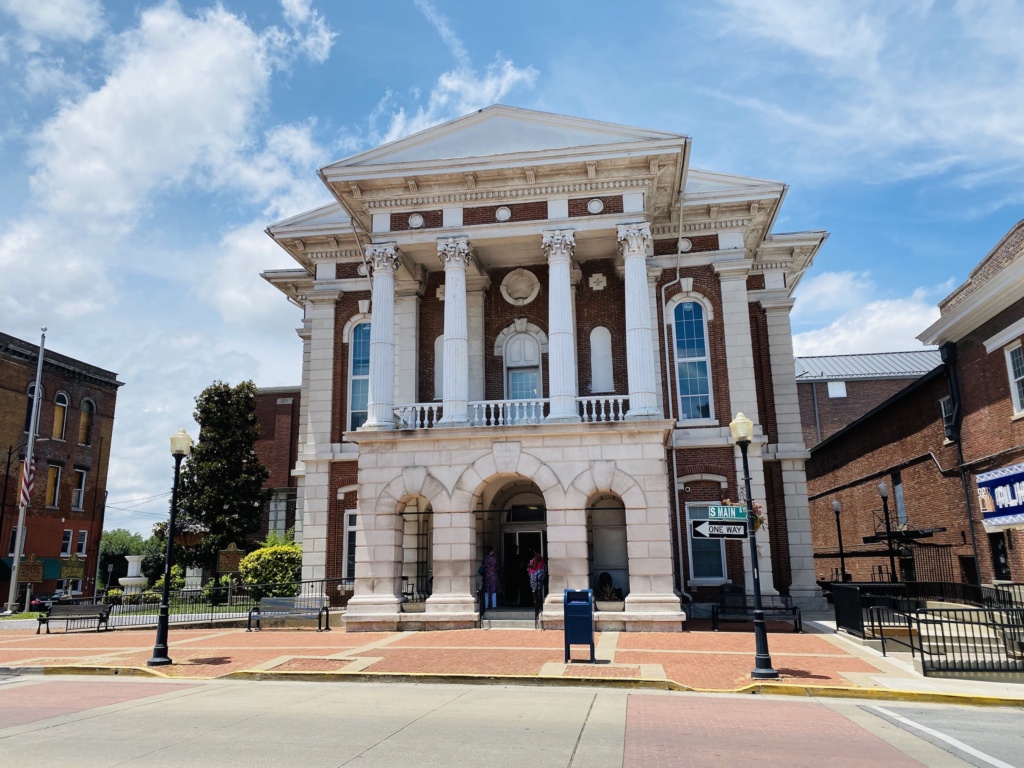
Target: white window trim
{"points": [[347, 530], [71, 542], [703, 581], [350, 329], [541, 350], [1015, 400], [670, 329], [82, 545]]}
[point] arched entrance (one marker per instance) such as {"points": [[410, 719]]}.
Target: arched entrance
{"points": [[417, 574], [513, 521], [609, 553]]}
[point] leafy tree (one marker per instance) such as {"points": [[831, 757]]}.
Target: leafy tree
{"points": [[114, 545], [154, 548], [221, 486]]}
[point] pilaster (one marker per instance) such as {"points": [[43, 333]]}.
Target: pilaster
{"points": [[318, 394], [407, 339], [739, 349]]}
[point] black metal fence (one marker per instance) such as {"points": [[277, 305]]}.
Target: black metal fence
{"points": [[986, 635], [216, 603]]}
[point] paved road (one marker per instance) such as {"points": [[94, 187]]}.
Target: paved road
{"points": [[56, 721]]}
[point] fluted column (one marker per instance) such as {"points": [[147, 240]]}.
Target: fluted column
{"points": [[634, 242], [455, 255], [383, 259], [559, 245]]}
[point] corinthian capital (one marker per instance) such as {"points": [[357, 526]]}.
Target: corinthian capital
{"points": [[454, 252], [634, 238], [558, 244], [383, 257]]}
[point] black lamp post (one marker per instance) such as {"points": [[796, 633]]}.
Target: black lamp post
{"points": [[742, 430], [837, 508], [883, 491], [180, 445]]}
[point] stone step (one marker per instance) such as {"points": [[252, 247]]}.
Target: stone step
{"points": [[508, 623]]}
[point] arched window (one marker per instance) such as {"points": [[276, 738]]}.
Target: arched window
{"points": [[85, 422], [693, 375], [28, 408], [522, 368], [359, 376], [60, 415], [601, 379]]}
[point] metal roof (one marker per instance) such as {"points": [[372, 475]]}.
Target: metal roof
{"points": [[874, 365]]}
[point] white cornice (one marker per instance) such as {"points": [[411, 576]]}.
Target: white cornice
{"points": [[485, 195], [982, 305], [1005, 336]]}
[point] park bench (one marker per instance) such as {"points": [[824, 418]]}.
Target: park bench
{"points": [[100, 613], [734, 604], [301, 607]]}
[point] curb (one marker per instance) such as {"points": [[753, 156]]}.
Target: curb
{"points": [[782, 689]]}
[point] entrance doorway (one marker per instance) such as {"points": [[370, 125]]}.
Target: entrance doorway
{"points": [[516, 546]]}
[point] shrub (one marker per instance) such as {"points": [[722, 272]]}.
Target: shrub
{"points": [[114, 596], [177, 580], [132, 598], [273, 571], [150, 597]]}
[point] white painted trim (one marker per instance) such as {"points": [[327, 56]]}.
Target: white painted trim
{"points": [[673, 375], [1015, 400], [722, 480], [982, 305], [1005, 336], [357, 319]]}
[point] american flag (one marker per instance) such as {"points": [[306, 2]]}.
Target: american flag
{"points": [[28, 477]]}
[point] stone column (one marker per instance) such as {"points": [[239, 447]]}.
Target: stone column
{"points": [[375, 602], [455, 255], [559, 245], [634, 241], [315, 451], [791, 454], [739, 349], [383, 259]]}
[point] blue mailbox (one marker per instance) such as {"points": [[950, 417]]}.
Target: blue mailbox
{"points": [[578, 607]]}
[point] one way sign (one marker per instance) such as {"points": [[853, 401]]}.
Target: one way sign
{"points": [[706, 529]]}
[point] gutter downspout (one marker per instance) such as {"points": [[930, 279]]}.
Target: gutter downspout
{"points": [[948, 353]]}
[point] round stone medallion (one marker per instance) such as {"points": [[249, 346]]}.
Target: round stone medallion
{"points": [[416, 221], [596, 205], [503, 214], [520, 287]]}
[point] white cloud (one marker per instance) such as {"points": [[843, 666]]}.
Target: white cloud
{"points": [[309, 28], [48, 77], [831, 292], [79, 20], [885, 325]]}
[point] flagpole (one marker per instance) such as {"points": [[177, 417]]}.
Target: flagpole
{"points": [[24, 500]]}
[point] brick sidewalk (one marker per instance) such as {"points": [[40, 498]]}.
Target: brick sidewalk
{"points": [[696, 659]]}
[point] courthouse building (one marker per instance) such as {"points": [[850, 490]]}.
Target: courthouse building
{"points": [[530, 332]]}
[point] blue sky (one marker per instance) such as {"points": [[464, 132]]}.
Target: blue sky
{"points": [[145, 146]]}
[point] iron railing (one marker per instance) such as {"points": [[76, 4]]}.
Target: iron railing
{"points": [[208, 604]]}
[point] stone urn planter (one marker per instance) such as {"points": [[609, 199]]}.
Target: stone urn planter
{"points": [[610, 605]]}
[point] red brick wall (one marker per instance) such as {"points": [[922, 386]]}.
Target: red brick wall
{"points": [[578, 205], [498, 315], [592, 312], [432, 326], [485, 214], [834, 413], [431, 220]]}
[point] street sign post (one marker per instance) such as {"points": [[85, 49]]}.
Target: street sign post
{"points": [[715, 529]]}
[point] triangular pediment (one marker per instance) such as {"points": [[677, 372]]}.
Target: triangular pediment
{"points": [[501, 130], [699, 183], [331, 217]]}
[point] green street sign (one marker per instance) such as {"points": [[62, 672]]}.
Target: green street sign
{"points": [[727, 513]]}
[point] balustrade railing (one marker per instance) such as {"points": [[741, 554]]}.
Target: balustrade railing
{"points": [[505, 413], [598, 409]]}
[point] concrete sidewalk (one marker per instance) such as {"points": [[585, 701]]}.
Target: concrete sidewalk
{"points": [[818, 662]]}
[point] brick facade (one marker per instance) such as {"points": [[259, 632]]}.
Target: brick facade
{"points": [[277, 410], [834, 413], [80, 383]]}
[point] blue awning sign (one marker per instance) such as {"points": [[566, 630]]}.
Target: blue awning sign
{"points": [[1001, 496]]}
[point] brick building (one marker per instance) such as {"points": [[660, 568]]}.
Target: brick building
{"points": [[528, 331], [76, 420], [835, 390], [949, 447], [277, 409]]}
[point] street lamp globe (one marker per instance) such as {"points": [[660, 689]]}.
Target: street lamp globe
{"points": [[837, 507], [181, 443], [742, 429], [883, 490]]}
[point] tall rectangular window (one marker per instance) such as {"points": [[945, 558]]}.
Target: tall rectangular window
{"points": [[65, 542], [692, 371], [83, 539], [1015, 367], [52, 485], [707, 556], [897, 494], [359, 376], [280, 503], [78, 492], [350, 545], [60, 416], [85, 423]]}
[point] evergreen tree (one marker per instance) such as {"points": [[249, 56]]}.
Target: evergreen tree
{"points": [[221, 486]]}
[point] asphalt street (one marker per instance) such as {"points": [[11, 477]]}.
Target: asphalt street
{"points": [[90, 721]]}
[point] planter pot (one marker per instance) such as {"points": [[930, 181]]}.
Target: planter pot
{"points": [[610, 605], [188, 538]]}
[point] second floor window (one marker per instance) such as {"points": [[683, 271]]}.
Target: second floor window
{"points": [[60, 415], [692, 370], [1015, 367], [85, 423], [78, 494], [65, 542], [52, 485], [359, 376], [83, 538]]}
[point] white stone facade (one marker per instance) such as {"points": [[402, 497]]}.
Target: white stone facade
{"points": [[499, 243]]}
